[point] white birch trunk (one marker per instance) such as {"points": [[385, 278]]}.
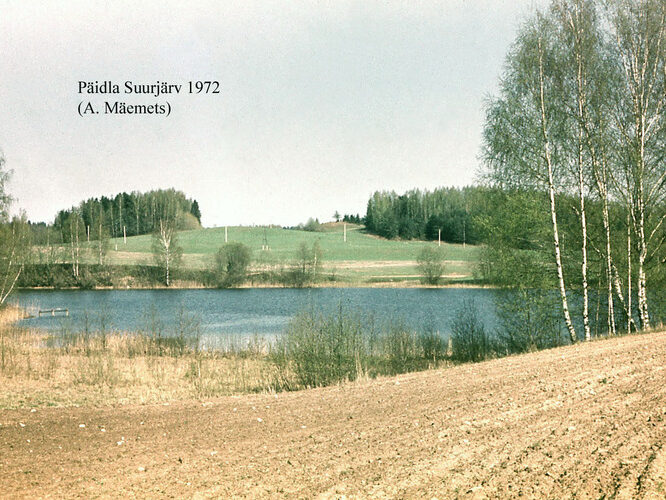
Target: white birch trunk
{"points": [[553, 213], [99, 241], [76, 259], [642, 255], [630, 316], [165, 240], [7, 290], [583, 226], [575, 24]]}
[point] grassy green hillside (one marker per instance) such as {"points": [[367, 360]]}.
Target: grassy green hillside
{"points": [[362, 258]]}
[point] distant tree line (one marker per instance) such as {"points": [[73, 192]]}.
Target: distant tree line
{"points": [[352, 219], [422, 214], [133, 213]]}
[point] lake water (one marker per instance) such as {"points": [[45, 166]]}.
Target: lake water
{"points": [[249, 312]]}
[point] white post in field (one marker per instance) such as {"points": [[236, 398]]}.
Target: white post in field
{"points": [[344, 232], [226, 235], [439, 237], [88, 231], [125, 235]]}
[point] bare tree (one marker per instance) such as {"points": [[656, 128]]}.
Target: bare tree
{"points": [[307, 264], [166, 250], [102, 236], [14, 249], [14, 239], [75, 226]]}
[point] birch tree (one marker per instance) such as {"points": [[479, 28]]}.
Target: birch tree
{"points": [[167, 252], [522, 128], [590, 65], [14, 249], [102, 236], [638, 32], [588, 80], [14, 239], [581, 114], [75, 224], [575, 24]]}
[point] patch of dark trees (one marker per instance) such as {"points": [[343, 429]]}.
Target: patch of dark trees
{"points": [[127, 214], [353, 219], [423, 214]]}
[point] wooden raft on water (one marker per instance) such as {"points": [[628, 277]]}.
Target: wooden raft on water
{"points": [[54, 311]]}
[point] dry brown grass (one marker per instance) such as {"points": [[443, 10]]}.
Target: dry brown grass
{"points": [[118, 369], [97, 368]]}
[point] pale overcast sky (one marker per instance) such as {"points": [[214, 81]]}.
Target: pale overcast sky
{"points": [[321, 103]]}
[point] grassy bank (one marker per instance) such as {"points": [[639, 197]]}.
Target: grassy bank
{"points": [[119, 369]]}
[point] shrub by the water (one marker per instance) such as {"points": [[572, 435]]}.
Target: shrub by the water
{"points": [[430, 262], [318, 350], [432, 344], [529, 320], [322, 349], [469, 339], [94, 275], [232, 261]]}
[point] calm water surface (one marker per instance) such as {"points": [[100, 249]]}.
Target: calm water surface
{"points": [[249, 312]]}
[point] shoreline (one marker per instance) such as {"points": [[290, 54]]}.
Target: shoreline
{"points": [[177, 286]]}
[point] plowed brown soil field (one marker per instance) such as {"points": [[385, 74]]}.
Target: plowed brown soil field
{"points": [[587, 421]]}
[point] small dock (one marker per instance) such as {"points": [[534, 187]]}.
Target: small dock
{"points": [[54, 312]]}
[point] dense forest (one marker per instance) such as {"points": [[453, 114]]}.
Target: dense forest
{"points": [[127, 214], [422, 214]]}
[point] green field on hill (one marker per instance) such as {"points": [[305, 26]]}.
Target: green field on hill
{"points": [[362, 258]]}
